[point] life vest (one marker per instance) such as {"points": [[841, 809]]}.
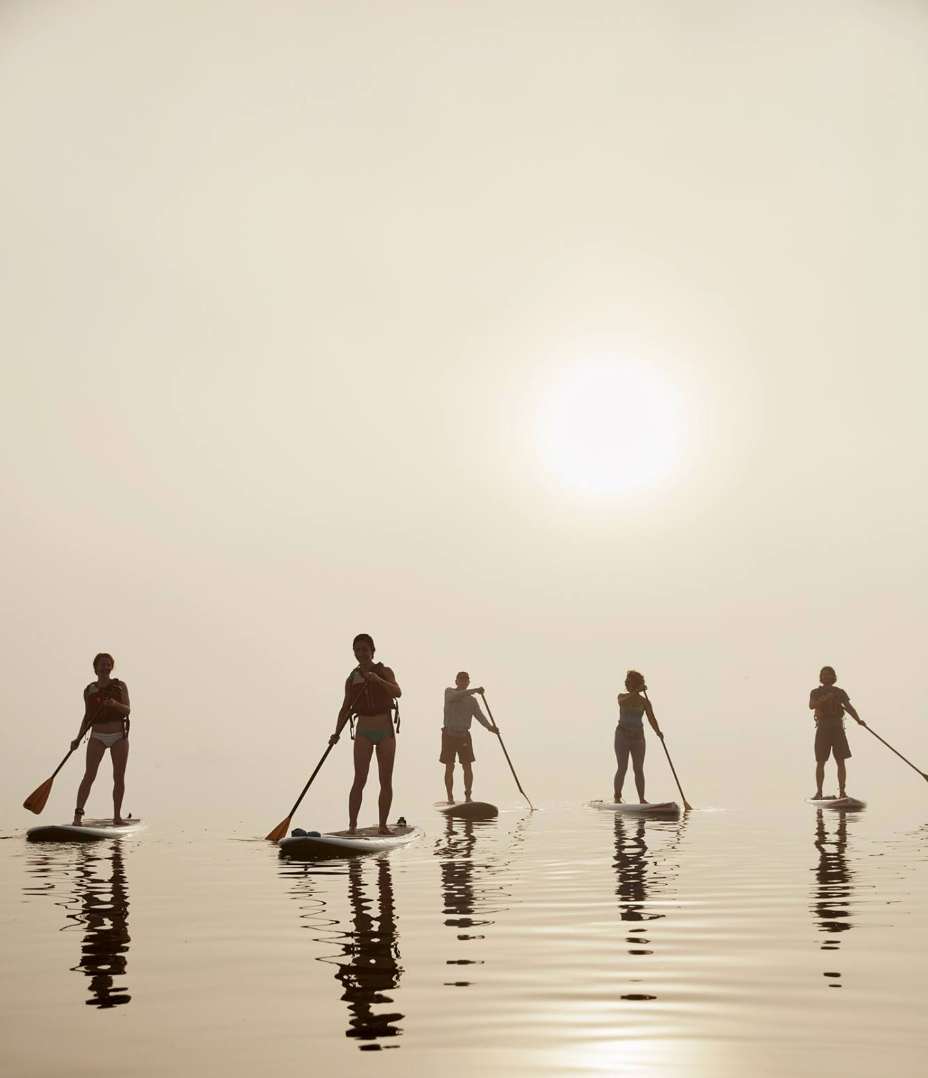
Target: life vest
{"points": [[98, 708], [371, 699]]}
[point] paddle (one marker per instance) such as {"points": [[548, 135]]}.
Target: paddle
{"points": [[896, 751], [35, 802], [281, 829], [506, 754], [686, 804]]}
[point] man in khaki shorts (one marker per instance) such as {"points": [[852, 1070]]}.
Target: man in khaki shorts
{"points": [[460, 709], [829, 704]]}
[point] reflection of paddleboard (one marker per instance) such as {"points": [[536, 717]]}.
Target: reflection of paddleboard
{"points": [[341, 844], [467, 810], [846, 803], [89, 831], [663, 808]]}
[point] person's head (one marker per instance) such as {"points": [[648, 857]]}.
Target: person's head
{"points": [[827, 676], [363, 648], [103, 664], [634, 682], [462, 679]]}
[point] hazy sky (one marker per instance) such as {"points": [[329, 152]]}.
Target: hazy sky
{"points": [[541, 339]]}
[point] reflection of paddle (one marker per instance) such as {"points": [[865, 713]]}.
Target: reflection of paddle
{"points": [[896, 751], [506, 754], [281, 829], [686, 804], [35, 802]]}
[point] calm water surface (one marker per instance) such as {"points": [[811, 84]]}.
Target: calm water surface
{"points": [[564, 942]]}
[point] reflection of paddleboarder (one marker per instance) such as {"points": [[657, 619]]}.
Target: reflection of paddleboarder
{"points": [[629, 734], [829, 704], [832, 892], [371, 965], [460, 709]]}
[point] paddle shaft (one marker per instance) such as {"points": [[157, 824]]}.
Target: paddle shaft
{"points": [[309, 783], [506, 754], [896, 751], [686, 803]]}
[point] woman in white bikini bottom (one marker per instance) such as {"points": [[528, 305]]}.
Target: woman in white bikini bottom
{"points": [[106, 716]]}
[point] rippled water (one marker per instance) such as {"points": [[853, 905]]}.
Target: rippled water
{"points": [[567, 941]]}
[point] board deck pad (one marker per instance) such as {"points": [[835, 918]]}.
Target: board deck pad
{"points": [[88, 831], [628, 808], [342, 844], [846, 803], [467, 810]]}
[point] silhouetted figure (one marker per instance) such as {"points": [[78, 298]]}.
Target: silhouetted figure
{"points": [[833, 884], [829, 704], [371, 693], [460, 709], [106, 715], [629, 734]]}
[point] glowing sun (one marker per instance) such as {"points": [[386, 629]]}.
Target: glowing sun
{"points": [[610, 426]]}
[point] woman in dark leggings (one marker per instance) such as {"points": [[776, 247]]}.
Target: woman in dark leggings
{"points": [[629, 734]]}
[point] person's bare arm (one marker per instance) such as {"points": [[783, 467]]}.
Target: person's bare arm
{"points": [[852, 711], [343, 713], [120, 704], [652, 719], [388, 681]]}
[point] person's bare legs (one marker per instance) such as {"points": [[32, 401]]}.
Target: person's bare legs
{"points": [[468, 780], [449, 781], [819, 779], [363, 750], [119, 751], [386, 753], [637, 754], [621, 759], [95, 751], [842, 777]]}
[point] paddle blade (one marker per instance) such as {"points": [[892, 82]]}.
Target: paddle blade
{"points": [[280, 831], [35, 802]]}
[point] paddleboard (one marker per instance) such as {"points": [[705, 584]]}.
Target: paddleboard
{"points": [[467, 810], [662, 808], [846, 803], [341, 843], [89, 831]]}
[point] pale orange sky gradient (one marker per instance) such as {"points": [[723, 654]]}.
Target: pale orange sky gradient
{"points": [[284, 286]]}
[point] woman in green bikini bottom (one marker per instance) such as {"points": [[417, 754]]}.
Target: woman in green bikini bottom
{"points": [[371, 693]]}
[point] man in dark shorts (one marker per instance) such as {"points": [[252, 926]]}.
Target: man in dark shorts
{"points": [[460, 709], [829, 704]]}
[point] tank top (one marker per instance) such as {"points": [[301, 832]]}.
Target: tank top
{"points": [[630, 717]]}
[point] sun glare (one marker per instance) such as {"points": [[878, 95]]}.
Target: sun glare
{"points": [[610, 426]]}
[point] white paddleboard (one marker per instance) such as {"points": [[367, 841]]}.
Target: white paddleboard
{"points": [[89, 831], [846, 803], [467, 810], [627, 808], [340, 843]]}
